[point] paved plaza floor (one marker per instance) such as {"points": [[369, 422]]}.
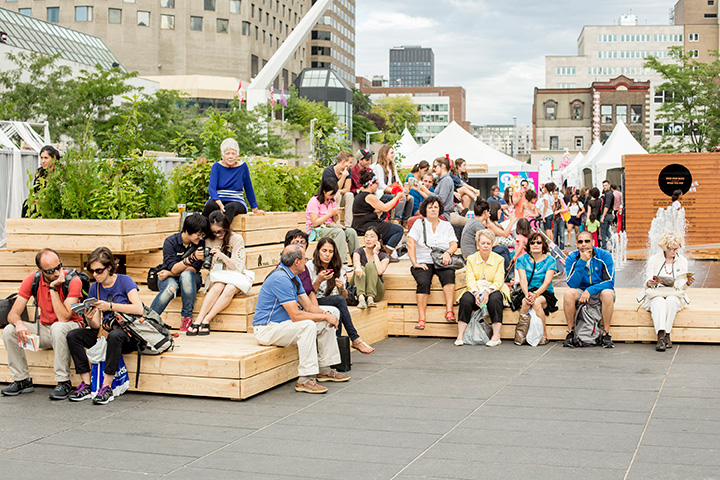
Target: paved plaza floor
{"points": [[417, 408]]}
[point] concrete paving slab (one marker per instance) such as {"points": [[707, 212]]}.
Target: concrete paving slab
{"points": [[663, 471], [37, 468], [679, 456]]}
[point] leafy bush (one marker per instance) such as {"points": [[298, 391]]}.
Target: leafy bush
{"points": [[81, 186], [277, 187]]}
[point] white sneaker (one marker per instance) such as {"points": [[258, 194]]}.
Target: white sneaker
{"points": [[493, 343], [458, 343]]}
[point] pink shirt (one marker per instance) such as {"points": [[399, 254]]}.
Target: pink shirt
{"points": [[617, 205], [320, 209]]}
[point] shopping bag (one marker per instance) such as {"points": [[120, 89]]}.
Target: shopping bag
{"points": [[120, 383], [475, 333], [535, 330]]}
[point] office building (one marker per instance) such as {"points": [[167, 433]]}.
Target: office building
{"points": [[333, 40], [438, 106], [412, 66], [513, 140], [233, 38], [700, 20]]}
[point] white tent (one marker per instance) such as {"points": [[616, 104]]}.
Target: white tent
{"points": [[621, 142], [406, 145], [459, 143], [571, 174], [574, 171]]}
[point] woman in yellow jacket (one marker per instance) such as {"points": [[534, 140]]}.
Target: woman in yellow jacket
{"points": [[485, 286]]}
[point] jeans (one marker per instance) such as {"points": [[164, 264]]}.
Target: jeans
{"points": [[339, 302], [504, 252], [393, 236], [188, 283], [605, 231], [559, 233]]}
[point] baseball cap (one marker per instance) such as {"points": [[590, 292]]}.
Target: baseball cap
{"points": [[363, 153]]}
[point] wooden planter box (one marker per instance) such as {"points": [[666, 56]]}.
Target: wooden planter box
{"points": [[84, 236]]}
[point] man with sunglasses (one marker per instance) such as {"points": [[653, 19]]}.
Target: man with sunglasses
{"points": [[590, 274], [56, 320]]}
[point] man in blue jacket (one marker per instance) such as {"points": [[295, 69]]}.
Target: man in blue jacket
{"points": [[590, 273]]}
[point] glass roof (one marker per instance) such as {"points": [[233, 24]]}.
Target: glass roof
{"points": [[321, 77], [48, 38]]}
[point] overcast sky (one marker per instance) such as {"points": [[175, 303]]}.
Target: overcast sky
{"points": [[494, 48]]}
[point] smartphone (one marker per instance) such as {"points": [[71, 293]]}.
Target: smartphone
{"points": [[329, 270]]}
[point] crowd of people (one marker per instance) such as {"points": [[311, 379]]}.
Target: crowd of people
{"points": [[503, 241]]}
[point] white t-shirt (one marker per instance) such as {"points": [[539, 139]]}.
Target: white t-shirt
{"points": [[441, 238], [380, 175], [320, 292], [574, 209], [545, 205]]}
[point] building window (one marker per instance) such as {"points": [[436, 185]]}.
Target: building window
{"points": [[321, 35], [621, 113], [604, 135], [25, 11], [257, 34], [196, 23], [635, 114], [693, 53], [143, 18], [246, 28], [114, 15], [711, 15], [606, 114], [576, 110], [693, 37], [53, 14], [210, 5], [167, 3], [550, 110], [554, 145], [578, 143], [711, 3], [222, 25], [234, 6], [167, 22], [83, 14]]}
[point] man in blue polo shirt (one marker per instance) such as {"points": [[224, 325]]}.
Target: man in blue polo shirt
{"points": [[279, 320]]}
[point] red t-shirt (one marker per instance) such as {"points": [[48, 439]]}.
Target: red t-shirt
{"points": [[355, 173], [47, 314]]}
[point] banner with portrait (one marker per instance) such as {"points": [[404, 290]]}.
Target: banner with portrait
{"points": [[513, 179]]}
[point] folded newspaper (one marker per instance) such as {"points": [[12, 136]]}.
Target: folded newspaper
{"points": [[82, 307]]}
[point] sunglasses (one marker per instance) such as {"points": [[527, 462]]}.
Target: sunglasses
{"points": [[53, 270], [217, 233], [584, 241], [97, 271], [536, 243]]}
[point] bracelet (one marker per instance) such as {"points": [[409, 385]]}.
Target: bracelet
{"points": [[110, 308]]}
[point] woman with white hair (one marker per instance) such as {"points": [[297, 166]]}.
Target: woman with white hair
{"points": [[667, 279], [228, 178]]}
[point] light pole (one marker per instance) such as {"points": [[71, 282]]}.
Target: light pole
{"points": [[312, 138], [367, 138]]}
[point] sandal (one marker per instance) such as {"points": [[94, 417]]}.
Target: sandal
{"points": [[544, 341], [362, 303], [420, 325], [371, 302], [363, 347], [204, 329], [192, 329], [450, 317]]}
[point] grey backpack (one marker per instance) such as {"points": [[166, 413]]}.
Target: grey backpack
{"points": [[588, 329]]}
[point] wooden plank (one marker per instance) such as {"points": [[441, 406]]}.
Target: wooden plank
{"points": [[220, 323], [270, 220], [27, 258], [407, 297], [268, 379], [69, 243], [263, 256], [264, 237], [47, 226], [137, 226]]}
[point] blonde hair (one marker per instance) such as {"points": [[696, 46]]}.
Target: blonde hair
{"points": [[487, 233], [670, 238]]}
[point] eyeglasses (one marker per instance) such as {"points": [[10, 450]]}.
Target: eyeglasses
{"points": [[299, 241], [536, 243], [53, 270], [584, 241], [97, 271], [218, 233]]}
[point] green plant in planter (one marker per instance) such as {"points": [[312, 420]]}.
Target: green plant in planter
{"points": [[83, 187], [189, 184]]}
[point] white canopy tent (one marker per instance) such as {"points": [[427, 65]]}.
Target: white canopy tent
{"points": [[574, 172], [621, 142], [406, 145], [459, 143], [570, 174]]}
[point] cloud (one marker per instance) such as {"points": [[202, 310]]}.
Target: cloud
{"points": [[393, 22]]}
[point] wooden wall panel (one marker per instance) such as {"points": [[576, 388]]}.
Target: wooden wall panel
{"points": [[643, 196]]}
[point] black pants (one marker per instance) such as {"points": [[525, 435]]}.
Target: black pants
{"points": [[423, 278], [118, 342], [468, 306], [340, 303], [231, 209]]}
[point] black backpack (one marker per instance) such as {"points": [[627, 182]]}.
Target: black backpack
{"points": [[69, 275]]}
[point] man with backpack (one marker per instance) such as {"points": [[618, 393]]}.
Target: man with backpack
{"points": [[591, 278], [55, 289], [279, 320]]}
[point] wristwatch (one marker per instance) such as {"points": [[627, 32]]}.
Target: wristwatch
{"points": [[54, 289]]}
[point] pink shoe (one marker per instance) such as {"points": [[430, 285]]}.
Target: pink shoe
{"points": [[185, 322]]}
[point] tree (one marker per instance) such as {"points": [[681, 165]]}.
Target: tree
{"points": [[300, 111], [691, 107], [397, 112], [361, 102]]}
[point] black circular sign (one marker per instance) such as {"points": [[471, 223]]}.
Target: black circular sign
{"points": [[674, 177]]}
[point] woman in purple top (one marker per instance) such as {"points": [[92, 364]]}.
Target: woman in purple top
{"points": [[228, 178]]}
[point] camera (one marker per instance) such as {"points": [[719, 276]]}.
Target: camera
{"points": [[208, 258]]}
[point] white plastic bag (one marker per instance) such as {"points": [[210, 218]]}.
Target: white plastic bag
{"points": [[535, 330], [96, 353], [475, 333]]}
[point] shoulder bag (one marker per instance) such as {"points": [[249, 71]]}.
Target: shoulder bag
{"points": [[436, 253]]}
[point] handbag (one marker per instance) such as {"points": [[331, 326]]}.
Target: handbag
{"points": [[352, 297], [344, 347], [152, 278], [456, 261], [516, 293], [521, 329], [6, 305]]}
